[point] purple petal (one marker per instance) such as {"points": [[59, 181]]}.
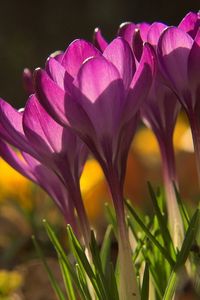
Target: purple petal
{"points": [[41, 130], [120, 54], [11, 121], [50, 96], [126, 30], [190, 24], [100, 93], [125, 138], [173, 50], [160, 110], [76, 53], [98, 40], [11, 157], [57, 55], [27, 78], [56, 71], [194, 63], [144, 29], [49, 181], [140, 84], [154, 33]]}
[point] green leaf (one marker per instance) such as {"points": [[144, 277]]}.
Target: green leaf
{"points": [[183, 254], [100, 278], [83, 283], [184, 213], [148, 233], [83, 262], [110, 214], [79, 253], [61, 253], [112, 282], [67, 279], [145, 284], [106, 247], [52, 279], [162, 224]]}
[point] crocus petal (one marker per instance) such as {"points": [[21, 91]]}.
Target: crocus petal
{"points": [[11, 121], [190, 23], [173, 50], [11, 157], [50, 96], [125, 138], [120, 54], [100, 92], [56, 71], [154, 33], [126, 30], [41, 130], [194, 62], [160, 110], [141, 83], [76, 53], [98, 40], [47, 180], [27, 78], [144, 29]]}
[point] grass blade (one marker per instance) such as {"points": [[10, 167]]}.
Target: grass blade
{"points": [[183, 254], [106, 247], [52, 279], [148, 233], [145, 284]]}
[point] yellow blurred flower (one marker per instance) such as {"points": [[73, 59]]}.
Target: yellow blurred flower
{"points": [[10, 281], [14, 186], [145, 142], [94, 189]]}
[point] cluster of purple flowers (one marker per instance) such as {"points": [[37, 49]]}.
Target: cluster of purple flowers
{"points": [[89, 99]]}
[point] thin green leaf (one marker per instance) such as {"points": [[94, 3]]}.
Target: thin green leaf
{"points": [[83, 284], [61, 253], [112, 282], [67, 280], [106, 247], [162, 223], [145, 284], [150, 236], [110, 214], [79, 253], [184, 213], [83, 261], [100, 278], [183, 254], [52, 279]]}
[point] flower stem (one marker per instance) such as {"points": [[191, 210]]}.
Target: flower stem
{"points": [[84, 224], [128, 287], [195, 129], [170, 178]]}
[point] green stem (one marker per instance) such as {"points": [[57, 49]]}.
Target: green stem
{"points": [[128, 287], [169, 177]]}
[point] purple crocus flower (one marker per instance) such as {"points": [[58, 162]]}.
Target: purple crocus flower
{"points": [[179, 56], [49, 150], [190, 23], [44, 177], [27, 80], [159, 112], [98, 95]]}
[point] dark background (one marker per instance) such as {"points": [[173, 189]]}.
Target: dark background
{"points": [[31, 30]]}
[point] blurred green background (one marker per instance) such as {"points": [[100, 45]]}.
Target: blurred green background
{"points": [[31, 30]]}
